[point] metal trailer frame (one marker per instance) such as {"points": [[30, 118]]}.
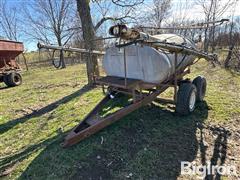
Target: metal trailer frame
{"points": [[142, 93]]}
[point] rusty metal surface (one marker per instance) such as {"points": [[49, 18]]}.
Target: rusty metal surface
{"points": [[84, 130], [70, 49], [92, 123], [11, 46], [9, 50], [118, 82]]}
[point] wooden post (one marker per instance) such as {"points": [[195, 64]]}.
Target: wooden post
{"points": [[25, 61]]}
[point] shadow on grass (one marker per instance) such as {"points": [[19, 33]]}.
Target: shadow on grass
{"points": [[8, 164], [233, 72], [219, 153], [10, 124], [149, 143]]}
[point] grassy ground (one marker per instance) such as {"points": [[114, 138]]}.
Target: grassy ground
{"points": [[149, 143]]}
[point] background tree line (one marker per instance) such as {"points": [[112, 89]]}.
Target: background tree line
{"points": [[79, 22]]}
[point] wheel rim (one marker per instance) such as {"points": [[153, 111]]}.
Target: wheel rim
{"points": [[192, 101], [16, 79]]}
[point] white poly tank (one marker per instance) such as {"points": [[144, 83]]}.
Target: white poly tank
{"points": [[146, 63]]}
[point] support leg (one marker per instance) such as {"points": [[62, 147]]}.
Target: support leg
{"points": [[175, 79]]}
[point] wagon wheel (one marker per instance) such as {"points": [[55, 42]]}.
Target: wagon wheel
{"points": [[186, 98], [201, 85], [13, 79]]}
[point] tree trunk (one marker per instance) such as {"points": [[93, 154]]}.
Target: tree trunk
{"points": [[62, 61], [231, 47], [25, 61], [229, 56], [61, 55], [213, 30], [213, 38], [206, 40], [88, 36], [207, 30]]}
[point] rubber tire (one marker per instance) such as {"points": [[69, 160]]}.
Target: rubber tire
{"points": [[201, 84], [183, 98], [5, 80], [13, 79], [1, 79]]}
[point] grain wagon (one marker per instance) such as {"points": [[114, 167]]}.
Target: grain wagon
{"points": [[9, 68]]}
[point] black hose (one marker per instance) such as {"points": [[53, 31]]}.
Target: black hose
{"points": [[128, 44], [60, 64], [184, 57]]}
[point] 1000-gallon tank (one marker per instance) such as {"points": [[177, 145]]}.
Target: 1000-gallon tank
{"points": [[146, 63]]}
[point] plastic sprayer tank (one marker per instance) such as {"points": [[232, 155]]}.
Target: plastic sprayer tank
{"points": [[146, 63]]}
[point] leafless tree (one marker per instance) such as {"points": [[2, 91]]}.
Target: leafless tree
{"points": [[89, 28], [51, 21], [232, 41], [9, 24], [160, 11], [213, 10]]}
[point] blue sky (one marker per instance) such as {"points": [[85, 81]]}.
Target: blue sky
{"points": [[195, 12], [30, 45]]}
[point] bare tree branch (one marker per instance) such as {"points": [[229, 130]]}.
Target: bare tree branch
{"points": [[104, 19], [9, 21]]}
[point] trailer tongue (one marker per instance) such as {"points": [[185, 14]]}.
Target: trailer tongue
{"points": [[92, 123]]}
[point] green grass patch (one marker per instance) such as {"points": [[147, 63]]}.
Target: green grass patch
{"points": [[147, 144]]}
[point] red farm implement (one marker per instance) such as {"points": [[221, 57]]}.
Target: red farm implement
{"points": [[9, 68]]}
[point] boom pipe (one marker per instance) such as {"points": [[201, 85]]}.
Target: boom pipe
{"points": [[70, 49], [134, 35], [205, 25], [181, 49]]}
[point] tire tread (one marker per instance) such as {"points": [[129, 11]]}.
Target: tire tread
{"points": [[183, 95]]}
